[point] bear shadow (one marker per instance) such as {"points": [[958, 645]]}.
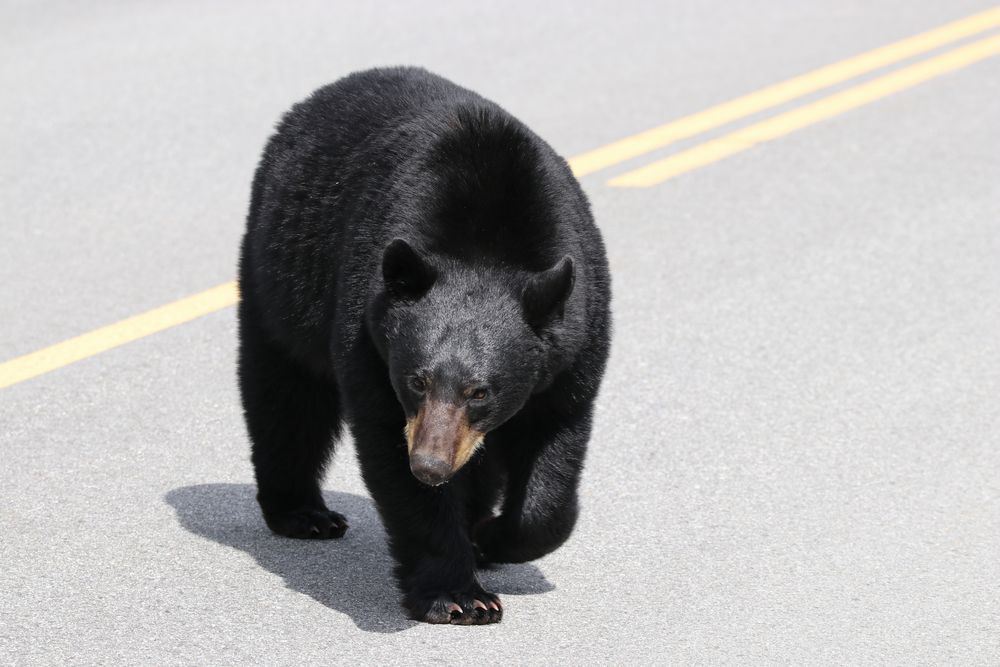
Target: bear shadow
{"points": [[351, 575]]}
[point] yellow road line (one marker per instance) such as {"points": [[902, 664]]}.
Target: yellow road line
{"points": [[99, 340], [809, 114], [766, 98]]}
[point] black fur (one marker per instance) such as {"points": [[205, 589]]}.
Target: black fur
{"points": [[409, 241]]}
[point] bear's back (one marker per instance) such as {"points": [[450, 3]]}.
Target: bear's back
{"points": [[398, 152], [339, 117], [312, 181]]}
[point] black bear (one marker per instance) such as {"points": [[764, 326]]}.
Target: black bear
{"points": [[420, 265]]}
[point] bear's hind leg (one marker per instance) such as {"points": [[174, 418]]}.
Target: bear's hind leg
{"points": [[293, 418], [540, 508]]}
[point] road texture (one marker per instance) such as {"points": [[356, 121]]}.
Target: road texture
{"points": [[797, 448]]}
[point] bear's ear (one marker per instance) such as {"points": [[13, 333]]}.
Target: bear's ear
{"points": [[545, 294], [407, 275]]}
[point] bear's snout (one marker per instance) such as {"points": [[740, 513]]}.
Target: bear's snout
{"points": [[440, 441], [429, 470]]}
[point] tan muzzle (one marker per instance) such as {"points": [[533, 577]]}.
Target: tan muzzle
{"points": [[440, 441]]}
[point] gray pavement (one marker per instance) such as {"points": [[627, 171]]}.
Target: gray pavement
{"points": [[797, 450]]}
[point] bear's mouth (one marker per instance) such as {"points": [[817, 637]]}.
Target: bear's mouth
{"points": [[440, 441]]}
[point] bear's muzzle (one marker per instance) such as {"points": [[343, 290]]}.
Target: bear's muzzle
{"points": [[440, 441]]}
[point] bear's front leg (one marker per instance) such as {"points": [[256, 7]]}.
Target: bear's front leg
{"points": [[436, 564]]}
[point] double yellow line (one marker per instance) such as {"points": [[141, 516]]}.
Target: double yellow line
{"points": [[97, 341], [790, 90]]}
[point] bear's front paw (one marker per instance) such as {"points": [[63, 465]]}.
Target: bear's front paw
{"points": [[308, 523], [470, 607]]}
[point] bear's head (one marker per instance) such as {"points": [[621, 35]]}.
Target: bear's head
{"points": [[466, 346]]}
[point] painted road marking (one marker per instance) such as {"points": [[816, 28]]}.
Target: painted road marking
{"points": [[786, 91], [809, 114], [189, 308], [94, 342]]}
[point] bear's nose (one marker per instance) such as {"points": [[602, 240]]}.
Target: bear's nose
{"points": [[430, 470]]}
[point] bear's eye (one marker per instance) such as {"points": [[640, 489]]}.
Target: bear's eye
{"points": [[478, 394], [419, 384]]}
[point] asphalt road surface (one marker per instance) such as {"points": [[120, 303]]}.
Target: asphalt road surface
{"points": [[797, 448]]}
